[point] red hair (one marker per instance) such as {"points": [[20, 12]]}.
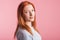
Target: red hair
{"points": [[21, 22]]}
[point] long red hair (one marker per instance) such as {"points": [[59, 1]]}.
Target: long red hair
{"points": [[21, 22]]}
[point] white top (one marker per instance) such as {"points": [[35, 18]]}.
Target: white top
{"points": [[36, 35], [25, 35]]}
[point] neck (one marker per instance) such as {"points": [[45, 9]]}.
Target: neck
{"points": [[29, 24]]}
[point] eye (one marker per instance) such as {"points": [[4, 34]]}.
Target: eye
{"points": [[25, 12], [32, 10]]}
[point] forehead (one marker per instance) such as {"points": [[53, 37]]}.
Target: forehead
{"points": [[28, 7]]}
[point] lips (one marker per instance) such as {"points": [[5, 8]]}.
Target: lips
{"points": [[31, 17]]}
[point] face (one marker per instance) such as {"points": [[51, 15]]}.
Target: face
{"points": [[28, 13]]}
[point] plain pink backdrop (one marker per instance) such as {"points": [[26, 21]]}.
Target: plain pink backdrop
{"points": [[47, 14]]}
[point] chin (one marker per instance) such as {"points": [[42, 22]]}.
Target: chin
{"points": [[31, 20]]}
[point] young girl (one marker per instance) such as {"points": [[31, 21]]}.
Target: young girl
{"points": [[26, 28]]}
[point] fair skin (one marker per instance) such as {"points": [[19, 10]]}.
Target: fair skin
{"points": [[29, 13]]}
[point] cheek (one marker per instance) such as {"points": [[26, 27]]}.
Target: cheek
{"points": [[33, 13], [26, 16]]}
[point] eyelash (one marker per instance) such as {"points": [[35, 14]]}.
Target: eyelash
{"points": [[25, 12], [32, 10]]}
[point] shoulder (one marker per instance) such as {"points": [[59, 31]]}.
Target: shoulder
{"points": [[20, 32], [23, 35]]}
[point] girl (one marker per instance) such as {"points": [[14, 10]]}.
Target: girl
{"points": [[26, 28]]}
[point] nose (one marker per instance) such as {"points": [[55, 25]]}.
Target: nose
{"points": [[30, 13]]}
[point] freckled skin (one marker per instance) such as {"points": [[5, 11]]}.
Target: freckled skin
{"points": [[28, 13]]}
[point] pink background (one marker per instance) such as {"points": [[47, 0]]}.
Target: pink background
{"points": [[47, 13]]}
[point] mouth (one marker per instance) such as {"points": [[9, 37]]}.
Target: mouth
{"points": [[31, 17]]}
